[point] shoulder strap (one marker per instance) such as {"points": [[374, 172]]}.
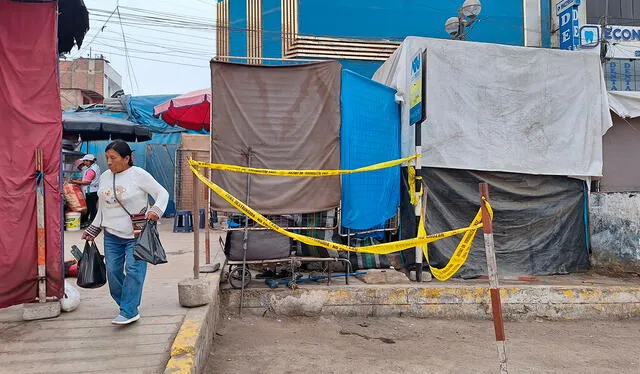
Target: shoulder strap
{"points": [[115, 195]]}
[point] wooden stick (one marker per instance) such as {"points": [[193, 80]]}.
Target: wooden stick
{"points": [[207, 222], [196, 225], [492, 269], [40, 229]]}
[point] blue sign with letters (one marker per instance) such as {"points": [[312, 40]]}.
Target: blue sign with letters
{"points": [[415, 89], [569, 24]]}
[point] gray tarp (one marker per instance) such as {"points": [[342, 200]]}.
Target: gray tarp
{"points": [[539, 225], [286, 117], [504, 108], [621, 171]]}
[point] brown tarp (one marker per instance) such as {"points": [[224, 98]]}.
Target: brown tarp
{"points": [[284, 117], [621, 170]]}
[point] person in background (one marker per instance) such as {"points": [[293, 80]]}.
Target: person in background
{"points": [[89, 182], [123, 188]]}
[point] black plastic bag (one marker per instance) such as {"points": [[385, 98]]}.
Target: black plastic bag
{"points": [[92, 272], [148, 248]]}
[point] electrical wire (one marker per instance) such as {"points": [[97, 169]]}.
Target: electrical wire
{"points": [[96, 34], [156, 60], [130, 70]]}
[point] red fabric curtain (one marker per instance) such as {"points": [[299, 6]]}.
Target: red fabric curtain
{"points": [[30, 118]]}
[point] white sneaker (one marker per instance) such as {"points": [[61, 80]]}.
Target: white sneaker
{"points": [[121, 320]]}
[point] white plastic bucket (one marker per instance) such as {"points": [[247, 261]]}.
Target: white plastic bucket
{"points": [[72, 221]]}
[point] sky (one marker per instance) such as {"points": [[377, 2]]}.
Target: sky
{"points": [[169, 43]]}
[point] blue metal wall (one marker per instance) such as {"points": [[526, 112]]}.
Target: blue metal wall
{"points": [[501, 22], [545, 15], [272, 28], [238, 27]]}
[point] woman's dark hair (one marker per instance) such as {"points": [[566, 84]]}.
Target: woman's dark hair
{"points": [[121, 148]]}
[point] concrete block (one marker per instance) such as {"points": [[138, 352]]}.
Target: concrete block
{"points": [[192, 344], [382, 276], [426, 276], [195, 292], [211, 268], [34, 311]]}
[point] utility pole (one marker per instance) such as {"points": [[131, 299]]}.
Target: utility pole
{"points": [[603, 27]]}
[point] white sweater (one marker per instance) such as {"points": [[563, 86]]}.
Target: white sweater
{"points": [[133, 187]]}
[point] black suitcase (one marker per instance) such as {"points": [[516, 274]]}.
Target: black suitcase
{"points": [[261, 245]]}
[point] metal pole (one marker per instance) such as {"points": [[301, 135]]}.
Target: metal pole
{"points": [[207, 222], [418, 207], [418, 151], [492, 269], [40, 229], [196, 225], [245, 238]]}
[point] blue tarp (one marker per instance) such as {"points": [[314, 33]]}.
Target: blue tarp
{"points": [[370, 133], [157, 156], [140, 110]]}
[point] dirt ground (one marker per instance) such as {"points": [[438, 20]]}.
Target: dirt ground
{"points": [[403, 345]]}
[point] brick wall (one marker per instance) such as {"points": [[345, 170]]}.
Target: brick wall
{"points": [[199, 145], [70, 98], [84, 74]]}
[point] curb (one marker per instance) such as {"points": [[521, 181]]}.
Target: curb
{"points": [[519, 303], [194, 339]]}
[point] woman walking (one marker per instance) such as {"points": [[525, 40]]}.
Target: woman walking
{"points": [[124, 191]]}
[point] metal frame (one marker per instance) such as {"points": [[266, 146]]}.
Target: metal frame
{"points": [[292, 261], [394, 222], [284, 226]]}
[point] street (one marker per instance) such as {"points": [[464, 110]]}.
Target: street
{"points": [[402, 345]]}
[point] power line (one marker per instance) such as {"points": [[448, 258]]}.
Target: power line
{"points": [[156, 60], [187, 55], [156, 46], [97, 32], [126, 52]]}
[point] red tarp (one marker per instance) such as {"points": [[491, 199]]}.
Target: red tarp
{"points": [[191, 110], [30, 118]]}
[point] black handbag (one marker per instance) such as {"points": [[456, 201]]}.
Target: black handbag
{"points": [[148, 248], [92, 272]]}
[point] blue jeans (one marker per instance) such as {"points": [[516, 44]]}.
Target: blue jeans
{"points": [[124, 273]]}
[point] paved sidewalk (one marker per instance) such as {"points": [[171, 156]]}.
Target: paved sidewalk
{"points": [[86, 341]]}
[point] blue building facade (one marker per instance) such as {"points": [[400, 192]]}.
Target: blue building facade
{"points": [[361, 34]]}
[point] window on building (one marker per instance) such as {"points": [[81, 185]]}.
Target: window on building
{"points": [[620, 12], [622, 75]]}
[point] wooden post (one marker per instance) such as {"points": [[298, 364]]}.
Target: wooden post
{"points": [[207, 222], [492, 269], [40, 229], [196, 225]]}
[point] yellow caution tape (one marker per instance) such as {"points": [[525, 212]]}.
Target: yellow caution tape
{"points": [[300, 173], [411, 180], [458, 258], [461, 253]]}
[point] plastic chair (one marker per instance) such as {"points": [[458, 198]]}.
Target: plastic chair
{"points": [[183, 221]]}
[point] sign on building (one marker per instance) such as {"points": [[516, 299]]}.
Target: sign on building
{"points": [[569, 23], [416, 99], [622, 74], [623, 42]]}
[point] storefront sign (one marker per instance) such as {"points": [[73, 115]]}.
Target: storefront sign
{"points": [[416, 78], [623, 41], [569, 24], [620, 75]]}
